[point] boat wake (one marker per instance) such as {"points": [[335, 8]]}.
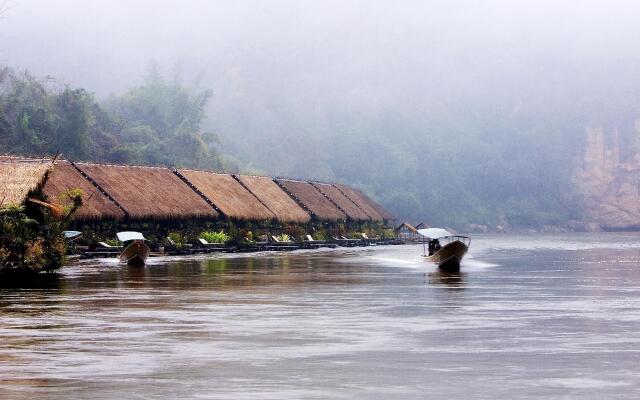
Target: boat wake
{"points": [[416, 262]]}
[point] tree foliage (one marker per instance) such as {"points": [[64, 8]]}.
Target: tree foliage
{"points": [[157, 123]]}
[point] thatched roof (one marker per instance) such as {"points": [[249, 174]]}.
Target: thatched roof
{"points": [[370, 207], [311, 199], [343, 202], [6, 157], [276, 199], [95, 205], [18, 177], [406, 225], [229, 196], [148, 192]]}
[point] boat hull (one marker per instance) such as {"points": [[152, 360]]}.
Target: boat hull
{"points": [[449, 256], [135, 253]]}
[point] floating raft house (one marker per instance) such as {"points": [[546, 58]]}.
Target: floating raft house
{"points": [[148, 192], [228, 195], [121, 192], [275, 199], [19, 177], [64, 177], [344, 203], [311, 199], [370, 207]]}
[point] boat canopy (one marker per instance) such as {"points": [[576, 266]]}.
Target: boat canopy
{"points": [[71, 234], [127, 236], [434, 233]]}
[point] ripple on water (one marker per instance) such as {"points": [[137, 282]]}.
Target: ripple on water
{"points": [[523, 319]]}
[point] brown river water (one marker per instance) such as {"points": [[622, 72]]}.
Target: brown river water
{"points": [[528, 317]]}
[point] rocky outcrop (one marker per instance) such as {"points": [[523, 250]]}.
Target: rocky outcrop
{"points": [[609, 187]]}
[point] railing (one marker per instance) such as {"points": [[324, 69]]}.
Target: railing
{"points": [[445, 240]]}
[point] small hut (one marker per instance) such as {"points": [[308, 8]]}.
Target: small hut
{"points": [[274, 198], [408, 232], [148, 192], [343, 202], [311, 199], [228, 195]]}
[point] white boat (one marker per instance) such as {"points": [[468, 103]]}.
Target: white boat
{"points": [[444, 248], [135, 250]]}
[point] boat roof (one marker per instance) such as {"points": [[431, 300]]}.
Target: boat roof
{"points": [[434, 233], [129, 235], [71, 234]]}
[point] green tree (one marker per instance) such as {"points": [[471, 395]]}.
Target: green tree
{"points": [[161, 124]]}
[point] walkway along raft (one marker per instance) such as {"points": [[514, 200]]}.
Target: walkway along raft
{"points": [[174, 207]]}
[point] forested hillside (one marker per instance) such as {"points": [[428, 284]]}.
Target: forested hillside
{"points": [[441, 167], [420, 168], [156, 123]]}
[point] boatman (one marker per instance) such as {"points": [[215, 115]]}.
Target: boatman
{"points": [[434, 246]]}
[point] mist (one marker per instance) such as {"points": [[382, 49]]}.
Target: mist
{"points": [[450, 112]]}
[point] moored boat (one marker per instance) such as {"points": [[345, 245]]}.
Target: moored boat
{"points": [[444, 248], [135, 250]]}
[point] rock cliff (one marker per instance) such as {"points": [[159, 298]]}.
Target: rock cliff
{"points": [[609, 186]]}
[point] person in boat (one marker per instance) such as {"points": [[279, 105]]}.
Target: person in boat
{"points": [[434, 246]]}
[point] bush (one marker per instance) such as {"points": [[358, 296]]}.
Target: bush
{"points": [[177, 238], [317, 235], [283, 237], [215, 237], [113, 242], [29, 245], [388, 234]]}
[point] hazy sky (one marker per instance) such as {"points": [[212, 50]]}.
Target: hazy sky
{"points": [[106, 45], [295, 64], [300, 87]]}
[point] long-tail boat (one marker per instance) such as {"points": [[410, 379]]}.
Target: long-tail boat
{"points": [[444, 248], [135, 250]]}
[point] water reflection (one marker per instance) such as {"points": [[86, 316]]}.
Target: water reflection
{"points": [[450, 280], [221, 273], [31, 281], [369, 325]]}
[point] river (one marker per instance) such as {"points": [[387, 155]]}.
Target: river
{"points": [[529, 317]]}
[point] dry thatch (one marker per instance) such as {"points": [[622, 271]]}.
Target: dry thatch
{"points": [[276, 199], [95, 205], [149, 192], [311, 199], [342, 201], [18, 177], [370, 207], [228, 195]]}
